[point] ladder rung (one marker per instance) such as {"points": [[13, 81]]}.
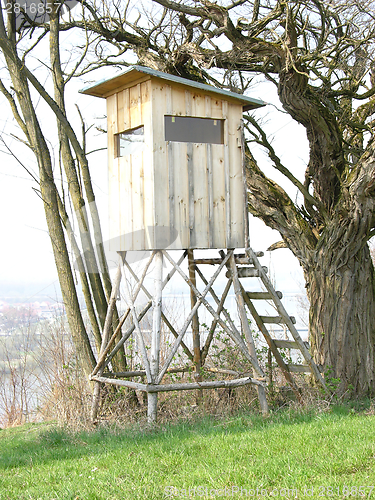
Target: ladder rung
{"points": [[276, 319], [262, 295], [257, 254], [242, 261], [299, 368], [302, 368], [247, 272], [288, 344]]}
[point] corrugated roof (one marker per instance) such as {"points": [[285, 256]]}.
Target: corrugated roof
{"points": [[105, 87]]}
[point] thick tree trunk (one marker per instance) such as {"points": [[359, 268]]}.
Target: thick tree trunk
{"points": [[342, 326]]}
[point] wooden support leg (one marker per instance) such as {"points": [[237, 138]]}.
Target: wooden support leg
{"points": [[195, 327], [130, 303], [152, 398], [214, 323], [201, 299], [105, 336], [246, 329]]}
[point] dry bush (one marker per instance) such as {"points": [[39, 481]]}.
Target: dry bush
{"points": [[40, 377], [66, 392]]}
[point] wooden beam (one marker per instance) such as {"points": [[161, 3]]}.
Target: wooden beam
{"points": [[195, 325], [288, 344], [271, 345], [121, 383], [165, 319], [127, 334], [105, 335], [130, 304], [277, 320], [214, 323], [248, 272], [151, 388], [205, 385], [262, 295], [213, 262], [155, 337], [192, 312], [281, 310], [246, 329], [104, 352]]}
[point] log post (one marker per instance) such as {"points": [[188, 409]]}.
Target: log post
{"points": [[105, 337], [195, 327], [152, 398], [246, 329]]}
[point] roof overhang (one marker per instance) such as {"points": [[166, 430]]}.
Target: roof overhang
{"points": [[107, 87]]}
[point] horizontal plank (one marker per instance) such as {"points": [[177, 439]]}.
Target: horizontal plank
{"points": [[121, 383], [219, 261], [299, 368], [142, 373], [257, 254], [288, 344], [262, 295], [302, 368], [204, 385], [247, 272], [180, 387], [277, 320]]}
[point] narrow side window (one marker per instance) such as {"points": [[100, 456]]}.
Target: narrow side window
{"points": [[130, 142]]}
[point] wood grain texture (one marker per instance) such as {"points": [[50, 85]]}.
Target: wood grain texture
{"points": [[174, 195]]}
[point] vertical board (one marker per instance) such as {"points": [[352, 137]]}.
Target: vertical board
{"points": [[124, 122], [171, 170], [111, 125], [148, 176], [209, 171], [160, 161], [227, 194], [135, 106], [120, 111], [114, 204], [137, 201], [201, 229], [216, 108], [236, 178], [219, 205], [126, 197], [113, 185], [190, 174], [181, 195], [192, 191]]}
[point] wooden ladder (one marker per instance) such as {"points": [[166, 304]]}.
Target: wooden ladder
{"points": [[255, 269]]}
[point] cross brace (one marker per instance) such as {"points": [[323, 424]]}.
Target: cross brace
{"points": [[150, 349]]}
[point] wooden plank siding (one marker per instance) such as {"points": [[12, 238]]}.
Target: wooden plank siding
{"points": [[235, 178], [174, 195]]}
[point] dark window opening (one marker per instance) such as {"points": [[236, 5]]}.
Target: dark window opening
{"points": [[130, 142], [191, 129]]}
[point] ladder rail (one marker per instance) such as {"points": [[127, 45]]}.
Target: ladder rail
{"points": [[271, 344], [287, 321]]}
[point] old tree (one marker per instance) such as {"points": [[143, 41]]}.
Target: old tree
{"points": [[319, 56]]}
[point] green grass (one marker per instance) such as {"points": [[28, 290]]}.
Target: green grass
{"points": [[287, 450]]}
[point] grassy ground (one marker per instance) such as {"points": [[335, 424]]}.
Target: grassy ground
{"points": [[288, 455]]}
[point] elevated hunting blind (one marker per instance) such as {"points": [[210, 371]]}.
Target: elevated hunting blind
{"points": [[176, 182], [175, 162]]}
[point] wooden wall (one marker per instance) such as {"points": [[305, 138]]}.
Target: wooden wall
{"points": [[174, 195]]}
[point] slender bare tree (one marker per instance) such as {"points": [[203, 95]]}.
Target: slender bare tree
{"points": [[17, 49]]}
